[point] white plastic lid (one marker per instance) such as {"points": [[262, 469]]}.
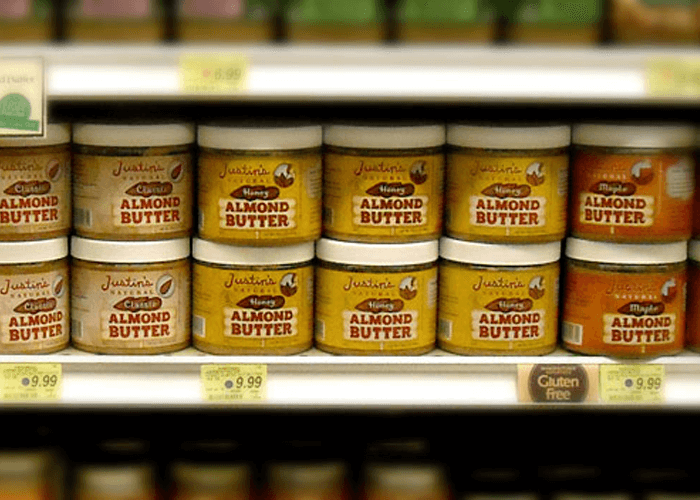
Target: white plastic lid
{"points": [[626, 253], [488, 254], [220, 253], [405, 476], [307, 474], [377, 254], [395, 136], [517, 137], [27, 252], [56, 133], [130, 252], [25, 462], [211, 476], [694, 250], [259, 138], [133, 135], [121, 480], [634, 136]]}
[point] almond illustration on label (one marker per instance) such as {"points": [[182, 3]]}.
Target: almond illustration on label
{"points": [[536, 287], [28, 188], [534, 173], [389, 189], [148, 189], [35, 306], [642, 172], [288, 284], [254, 193], [177, 170], [506, 305], [502, 191], [408, 288], [53, 170], [165, 285], [258, 302], [380, 305], [58, 286], [609, 188], [137, 304], [669, 290], [418, 173], [284, 175], [646, 308]]}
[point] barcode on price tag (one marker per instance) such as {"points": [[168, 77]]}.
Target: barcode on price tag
{"points": [[234, 383], [213, 74], [31, 382], [639, 384]]}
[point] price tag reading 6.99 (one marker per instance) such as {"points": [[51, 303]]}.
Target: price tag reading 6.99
{"points": [[233, 383], [213, 74]]}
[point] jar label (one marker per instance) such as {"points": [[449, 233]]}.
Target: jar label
{"points": [[376, 312], [506, 197], [133, 196], [251, 198], [117, 309], [122, 8], [382, 197], [35, 194], [624, 314], [693, 307], [34, 309], [213, 8], [15, 9], [632, 197], [496, 310], [253, 310]]}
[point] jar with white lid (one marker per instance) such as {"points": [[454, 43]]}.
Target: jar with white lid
{"points": [[376, 299], [404, 481], [310, 480], [34, 290], [29, 474], [130, 297], [133, 181], [507, 184], [35, 185], [693, 304], [213, 481], [115, 482], [252, 300], [383, 183], [632, 183], [498, 299], [623, 299]]}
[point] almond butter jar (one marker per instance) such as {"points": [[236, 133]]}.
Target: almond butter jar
{"points": [[498, 299], [133, 182], [383, 183], [507, 184], [259, 185], [252, 300], [693, 305], [376, 299], [35, 185], [130, 297], [624, 300], [632, 183]]}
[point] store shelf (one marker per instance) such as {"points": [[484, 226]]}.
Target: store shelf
{"points": [[365, 73]]}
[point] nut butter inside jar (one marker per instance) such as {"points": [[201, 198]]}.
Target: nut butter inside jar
{"points": [[115, 482], [213, 481], [693, 310], [624, 300], [130, 297], [133, 181], [507, 184], [30, 475], [259, 185], [383, 183], [405, 481], [310, 480], [252, 300], [498, 299], [35, 185]]}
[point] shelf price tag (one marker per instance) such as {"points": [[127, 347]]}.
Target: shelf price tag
{"points": [[31, 382], [632, 383], [213, 74], [22, 97], [673, 77], [234, 383]]}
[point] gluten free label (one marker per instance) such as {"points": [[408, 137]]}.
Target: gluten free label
{"points": [[31, 382], [557, 383], [640, 384], [22, 97], [234, 383]]}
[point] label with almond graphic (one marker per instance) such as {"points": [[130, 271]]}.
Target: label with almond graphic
{"points": [[379, 198], [34, 315], [498, 310], [376, 313], [627, 197], [142, 197], [140, 309], [693, 308], [273, 197], [506, 198], [624, 314], [252, 310], [35, 195]]}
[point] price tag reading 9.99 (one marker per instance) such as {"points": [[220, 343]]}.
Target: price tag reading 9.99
{"points": [[233, 383], [632, 383], [30, 382]]}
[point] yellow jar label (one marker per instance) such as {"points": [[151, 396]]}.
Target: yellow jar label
{"points": [[121, 197], [496, 311], [130, 308], [380, 198], [506, 198], [246, 199], [370, 312], [246, 310]]}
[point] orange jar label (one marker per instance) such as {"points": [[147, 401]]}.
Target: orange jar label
{"points": [[34, 315], [693, 311], [35, 192], [375, 312], [495, 197], [631, 197], [382, 198], [498, 311], [260, 198], [132, 197], [253, 310], [626, 314]]}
